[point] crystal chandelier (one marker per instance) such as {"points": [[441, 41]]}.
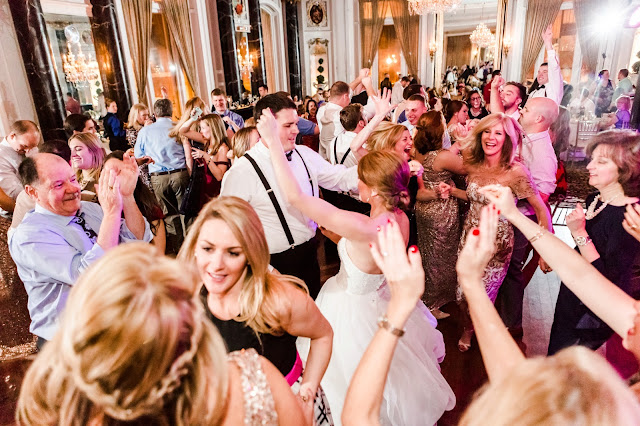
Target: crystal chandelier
{"points": [[77, 68], [482, 36], [246, 61], [424, 7]]}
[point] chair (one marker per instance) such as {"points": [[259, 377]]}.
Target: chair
{"points": [[585, 131]]}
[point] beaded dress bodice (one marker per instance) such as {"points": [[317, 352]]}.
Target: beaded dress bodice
{"points": [[352, 279]]}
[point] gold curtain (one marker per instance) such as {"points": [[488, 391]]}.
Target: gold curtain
{"points": [[176, 12], [589, 41], [407, 28], [137, 20], [267, 42], [540, 14], [372, 13]]}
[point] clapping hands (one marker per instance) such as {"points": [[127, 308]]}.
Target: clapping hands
{"points": [[128, 175], [109, 192]]}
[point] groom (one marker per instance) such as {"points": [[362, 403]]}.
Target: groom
{"points": [[290, 234]]}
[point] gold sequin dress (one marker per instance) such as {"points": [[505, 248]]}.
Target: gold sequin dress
{"points": [[15, 339], [521, 187], [438, 238]]}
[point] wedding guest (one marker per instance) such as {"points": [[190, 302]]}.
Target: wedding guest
{"points": [[476, 106], [254, 307], [437, 220], [489, 155], [63, 236], [192, 104], [251, 178], [312, 141], [601, 238], [232, 121], [583, 106], [138, 118], [456, 115], [72, 106], [625, 86], [533, 391], [87, 156], [415, 106], [604, 93], [143, 313], [549, 82], [113, 127], [245, 139], [79, 123]]}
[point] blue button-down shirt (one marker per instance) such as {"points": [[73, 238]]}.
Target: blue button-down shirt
{"points": [[51, 251], [153, 140], [235, 117]]}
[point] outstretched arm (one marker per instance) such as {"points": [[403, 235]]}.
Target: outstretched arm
{"points": [[382, 106], [555, 88], [500, 352], [354, 226], [496, 102]]}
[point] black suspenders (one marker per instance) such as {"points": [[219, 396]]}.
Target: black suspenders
{"points": [[273, 198], [335, 151]]}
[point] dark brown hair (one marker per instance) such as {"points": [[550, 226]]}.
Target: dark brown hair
{"points": [[350, 116], [430, 131], [623, 148]]}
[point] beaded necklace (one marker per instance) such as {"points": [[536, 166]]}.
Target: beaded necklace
{"points": [[590, 211]]}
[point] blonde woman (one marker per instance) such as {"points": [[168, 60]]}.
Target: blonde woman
{"points": [[215, 146], [252, 306], [138, 118], [242, 141], [134, 347], [87, 156], [189, 108], [353, 299]]}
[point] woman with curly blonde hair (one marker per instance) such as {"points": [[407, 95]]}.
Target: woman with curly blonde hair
{"points": [[252, 306], [87, 156], [134, 347]]}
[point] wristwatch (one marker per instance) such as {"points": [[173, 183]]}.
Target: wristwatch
{"points": [[582, 241]]}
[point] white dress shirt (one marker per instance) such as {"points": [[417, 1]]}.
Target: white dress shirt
{"points": [[340, 145], [397, 92], [554, 88], [242, 181], [540, 158], [9, 179], [328, 117], [515, 114]]}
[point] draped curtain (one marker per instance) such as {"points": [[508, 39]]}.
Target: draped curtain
{"points": [[176, 12], [372, 13], [589, 41], [137, 20], [407, 28], [267, 42], [540, 14]]}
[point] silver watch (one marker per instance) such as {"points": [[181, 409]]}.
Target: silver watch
{"points": [[582, 241]]}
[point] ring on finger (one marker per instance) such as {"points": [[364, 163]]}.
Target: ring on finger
{"points": [[305, 398]]}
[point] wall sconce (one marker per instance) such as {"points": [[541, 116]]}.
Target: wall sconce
{"points": [[474, 52], [506, 46], [433, 48]]}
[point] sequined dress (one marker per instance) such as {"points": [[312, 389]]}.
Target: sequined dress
{"points": [[259, 406], [438, 238], [415, 392], [521, 187]]}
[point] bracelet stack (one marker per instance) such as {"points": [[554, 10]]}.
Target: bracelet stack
{"points": [[539, 235], [383, 322]]}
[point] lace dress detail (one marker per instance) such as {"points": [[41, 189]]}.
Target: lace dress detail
{"points": [[259, 406], [438, 237], [352, 301], [521, 187]]}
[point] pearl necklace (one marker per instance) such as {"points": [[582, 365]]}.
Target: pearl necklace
{"points": [[590, 211]]}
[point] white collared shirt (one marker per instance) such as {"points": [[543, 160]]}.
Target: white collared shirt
{"points": [[9, 178], [339, 146], [540, 158], [554, 88], [328, 118], [242, 181]]}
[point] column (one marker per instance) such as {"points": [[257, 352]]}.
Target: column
{"points": [[232, 78], [108, 45], [293, 49], [32, 38], [254, 41], [439, 37]]}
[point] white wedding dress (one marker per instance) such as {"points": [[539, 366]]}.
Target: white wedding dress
{"points": [[415, 392]]}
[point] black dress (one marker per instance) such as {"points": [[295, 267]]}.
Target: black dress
{"points": [[279, 350], [619, 261], [483, 114]]}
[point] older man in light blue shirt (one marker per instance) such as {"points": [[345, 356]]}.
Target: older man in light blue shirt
{"points": [[169, 175], [63, 236]]}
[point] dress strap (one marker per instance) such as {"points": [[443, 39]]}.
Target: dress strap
{"points": [[259, 406], [274, 200]]}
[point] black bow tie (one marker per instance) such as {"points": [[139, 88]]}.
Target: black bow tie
{"points": [[288, 154], [541, 87]]}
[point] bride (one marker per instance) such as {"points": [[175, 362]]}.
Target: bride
{"points": [[416, 393]]}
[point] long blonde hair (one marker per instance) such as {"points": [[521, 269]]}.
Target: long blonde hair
{"points": [[133, 346], [261, 298], [385, 136], [472, 144], [241, 142], [188, 108], [93, 144], [218, 133], [573, 387], [132, 121]]}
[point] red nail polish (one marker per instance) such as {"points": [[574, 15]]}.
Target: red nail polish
{"points": [[498, 211], [413, 249], [389, 221], [378, 228], [476, 232], [370, 245], [493, 206]]}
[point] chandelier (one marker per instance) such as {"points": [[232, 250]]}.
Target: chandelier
{"points": [[77, 68], [424, 7], [482, 36], [245, 61]]}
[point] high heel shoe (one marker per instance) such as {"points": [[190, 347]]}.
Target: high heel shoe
{"points": [[464, 344]]}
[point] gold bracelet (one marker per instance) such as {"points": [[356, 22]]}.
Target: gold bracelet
{"points": [[539, 235], [383, 322]]}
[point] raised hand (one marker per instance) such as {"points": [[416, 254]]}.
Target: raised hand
{"points": [[502, 197], [497, 82], [403, 271], [268, 128], [383, 103], [109, 193], [128, 176], [364, 72], [547, 37], [478, 249], [576, 220], [631, 222]]}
